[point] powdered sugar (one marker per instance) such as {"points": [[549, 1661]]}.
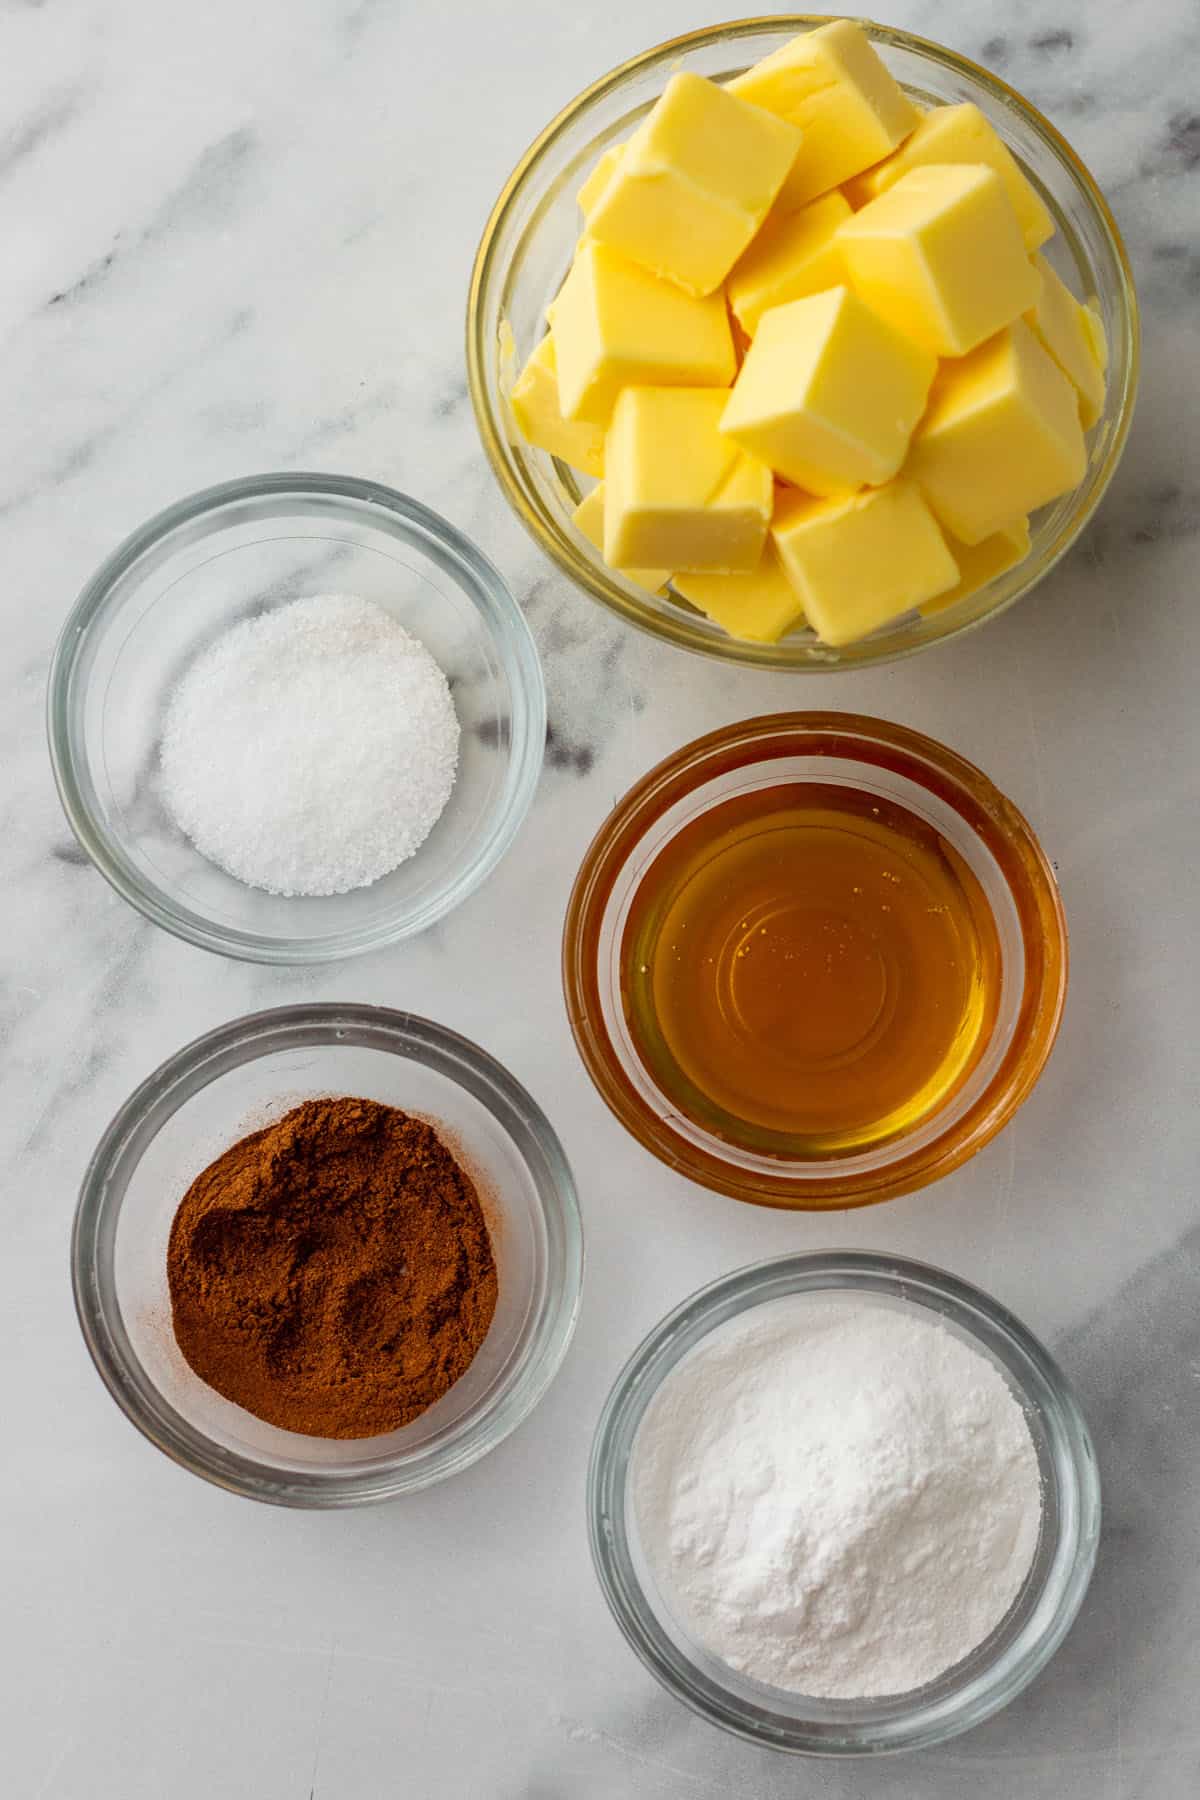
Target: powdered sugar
{"points": [[837, 1497], [312, 749]]}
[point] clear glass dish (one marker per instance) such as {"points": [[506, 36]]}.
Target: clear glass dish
{"points": [[878, 758], [234, 1080], [983, 1682], [531, 236], [215, 558]]}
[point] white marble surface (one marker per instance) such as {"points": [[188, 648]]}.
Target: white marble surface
{"points": [[237, 237]]}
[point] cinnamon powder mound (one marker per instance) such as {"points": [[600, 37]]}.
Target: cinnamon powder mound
{"points": [[333, 1273]]}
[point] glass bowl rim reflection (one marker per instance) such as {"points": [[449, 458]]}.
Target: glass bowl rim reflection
{"points": [[335, 1024], [896, 1723], [845, 736], [672, 624], [410, 522]]}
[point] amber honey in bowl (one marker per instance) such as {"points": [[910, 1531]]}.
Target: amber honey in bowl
{"points": [[814, 960], [809, 963]]}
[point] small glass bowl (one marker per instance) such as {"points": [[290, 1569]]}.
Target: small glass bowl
{"points": [[226, 554], [531, 236], [1005, 1663], [240, 1077], [871, 756]]}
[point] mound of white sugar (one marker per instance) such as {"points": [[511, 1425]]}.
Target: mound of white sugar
{"points": [[836, 1497], [312, 749]]}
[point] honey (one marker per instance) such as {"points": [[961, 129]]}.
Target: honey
{"points": [[809, 969]]}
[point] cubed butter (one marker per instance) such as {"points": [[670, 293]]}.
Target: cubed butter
{"points": [[980, 563], [863, 560], [958, 134], [589, 518], [760, 605], [535, 407], [596, 182], [616, 325], [694, 183], [1001, 437], [941, 256], [793, 255], [829, 393], [832, 84], [1067, 329], [678, 493]]}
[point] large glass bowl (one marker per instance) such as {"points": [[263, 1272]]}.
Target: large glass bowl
{"points": [[530, 239], [237, 1079], [240, 549], [1002, 1665], [901, 767]]}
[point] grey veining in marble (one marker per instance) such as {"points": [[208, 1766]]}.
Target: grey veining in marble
{"points": [[237, 238]]}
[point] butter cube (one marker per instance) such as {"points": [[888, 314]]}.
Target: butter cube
{"points": [[830, 83], [863, 560], [535, 407], [615, 325], [1002, 436], [980, 563], [596, 182], [761, 605], [829, 394], [589, 518], [941, 255], [695, 182], [1067, 329], [678, 494], [1095, 330], [958, 134], [793, 255]]}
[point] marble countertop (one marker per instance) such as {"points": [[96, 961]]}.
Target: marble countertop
{"points": [[238, 238]]}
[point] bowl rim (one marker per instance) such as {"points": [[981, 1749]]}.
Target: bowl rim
{"points": [[193, 1067], [852, 736], [417, 525], [622, 599], [990, 1326]]}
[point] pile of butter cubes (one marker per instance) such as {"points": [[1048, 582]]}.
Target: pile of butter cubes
{"points": [[810, 349]]}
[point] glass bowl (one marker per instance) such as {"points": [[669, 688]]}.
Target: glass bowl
{"points": [[903, 767], [994, 1673], [236, 550], [531, 236], [232, 1081]]}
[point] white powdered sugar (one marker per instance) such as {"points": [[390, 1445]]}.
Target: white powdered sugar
{"points": [[312, 749], [837, 1497]]}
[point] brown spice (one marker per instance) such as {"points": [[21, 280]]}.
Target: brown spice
{"points": [[332, 1273]]}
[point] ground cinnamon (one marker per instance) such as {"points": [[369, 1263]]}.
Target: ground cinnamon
{"points": [[332, 1273]]}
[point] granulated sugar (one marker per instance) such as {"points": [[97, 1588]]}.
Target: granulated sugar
{"points": [[311, 750], [836, 1497]]}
